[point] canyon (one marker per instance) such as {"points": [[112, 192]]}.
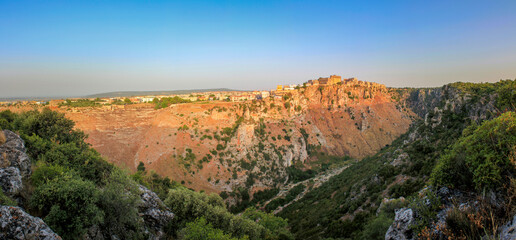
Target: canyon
{"points": [[218, 146]]}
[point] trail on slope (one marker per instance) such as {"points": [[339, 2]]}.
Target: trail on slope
{"points": [[314, 182]]}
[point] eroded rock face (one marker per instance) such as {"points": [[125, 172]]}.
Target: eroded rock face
{"points": [[353, 120], [17, 224], [154, 212], [400, 228]]}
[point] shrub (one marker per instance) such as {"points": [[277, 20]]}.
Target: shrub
{"points": [[119, 200], [45, 173], [189, 205], [482, 158], [377, 228], [69, 206], [276, 227], [141, 167], [201, 230]]}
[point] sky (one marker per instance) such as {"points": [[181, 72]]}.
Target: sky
{"points": [[75, 48]]}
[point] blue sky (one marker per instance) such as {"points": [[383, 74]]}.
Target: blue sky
{"points": [[58, 48]]}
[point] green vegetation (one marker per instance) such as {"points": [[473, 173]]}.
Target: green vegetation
{"points": [[5, 200], [190, 206], [81, 103], [69, 205], [297, 175], [482, 159], [504, 90], [275, 227], [291, 195], [259, 197], [201, 230], [72, 189], [165, 102], [346, 205]]}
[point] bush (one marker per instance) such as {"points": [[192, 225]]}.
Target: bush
{"points": [[377, 228], [45, 173], [276, 227], [406, 188], [201, 230], [165, 102], [69, 206], [297, 175], [189, 205], [426, 206], [119, 200], [482, 158]]}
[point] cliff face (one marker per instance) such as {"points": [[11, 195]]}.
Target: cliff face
{"points": [[216, 146], [337, 207]]}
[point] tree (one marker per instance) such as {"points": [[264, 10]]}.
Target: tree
{"points": [[127, 100], [276, 227], [69, 207], [189, 205], [141, 167], [202, 230]]}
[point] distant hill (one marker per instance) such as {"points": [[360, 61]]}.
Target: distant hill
{"points": [[144, 93]]}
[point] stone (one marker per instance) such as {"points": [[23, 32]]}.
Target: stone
{"points": [[154, 212], [508, 231], [17, 224], [401, 227], [10, 180], [13, 153]]}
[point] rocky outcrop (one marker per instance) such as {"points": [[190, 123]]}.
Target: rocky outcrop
{"points": [[10, 180], [13, 153], [154, 212], [421, 101], [401, 227], [14, 163], [17, 224], [430, 103]]}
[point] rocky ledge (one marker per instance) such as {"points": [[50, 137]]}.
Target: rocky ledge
{"points": [[17, 224]]}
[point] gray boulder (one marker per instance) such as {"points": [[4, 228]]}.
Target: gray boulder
{"points": [[13, 154], [400, 228], [17, 224], [14, 163], [155, 214]]}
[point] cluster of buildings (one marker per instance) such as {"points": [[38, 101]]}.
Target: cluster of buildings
{"points": [[283, 89], [332, 80], [233, 96]]}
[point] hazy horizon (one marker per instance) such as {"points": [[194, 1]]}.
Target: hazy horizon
{"points": [[57, 49]]}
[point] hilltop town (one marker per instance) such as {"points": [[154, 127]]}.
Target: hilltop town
{"points": [[229, 96]]}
